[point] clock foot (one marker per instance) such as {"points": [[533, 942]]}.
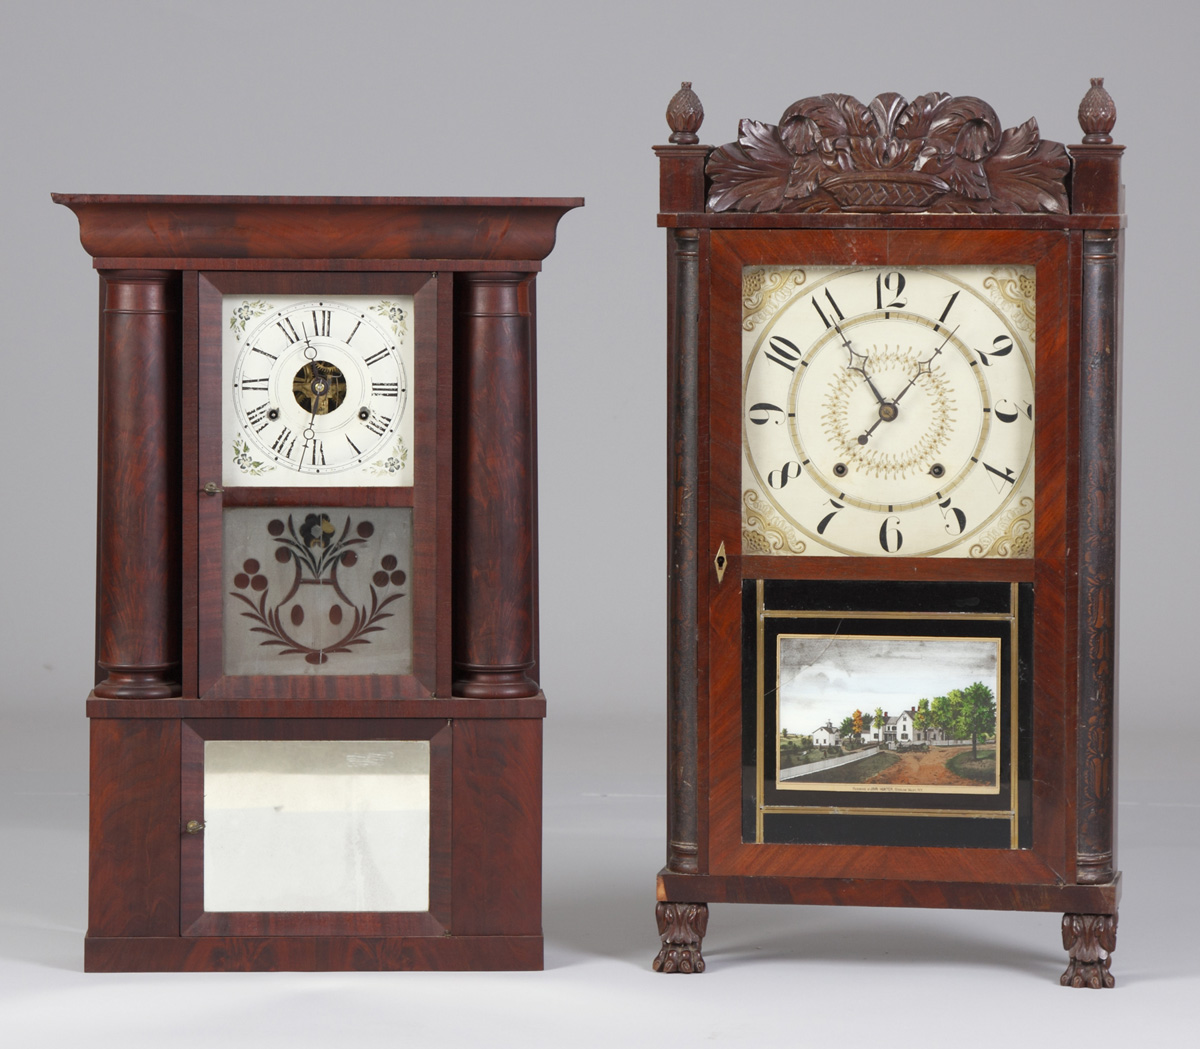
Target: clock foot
{"points": [[682, 926], [1090, 939]]}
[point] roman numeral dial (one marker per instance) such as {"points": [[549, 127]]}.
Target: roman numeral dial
{"points": [[890, 411], [316, 390]]}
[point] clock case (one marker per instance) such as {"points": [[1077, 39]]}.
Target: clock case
{"points": [[161, 694], [754, 202]]}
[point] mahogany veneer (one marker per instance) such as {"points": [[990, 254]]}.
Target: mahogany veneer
{"points": [[832, 184], [161, 692]]}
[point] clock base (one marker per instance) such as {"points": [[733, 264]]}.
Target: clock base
{"points": [[119, 954], [1089, 936], [147, 872]]}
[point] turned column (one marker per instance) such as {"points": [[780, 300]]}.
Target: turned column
{"points": [[138, 593], [681, 191], [494, 555], [1096, 190]]}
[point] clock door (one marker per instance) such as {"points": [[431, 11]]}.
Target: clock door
{"points": [[316, 827], [321, 537], [885, 517]]}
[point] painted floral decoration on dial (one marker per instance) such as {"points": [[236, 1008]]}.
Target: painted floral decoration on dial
{"points": [[317, 391], [888, 411]]}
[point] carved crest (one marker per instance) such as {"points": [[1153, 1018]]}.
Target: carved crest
{"points": [[937, 153]]}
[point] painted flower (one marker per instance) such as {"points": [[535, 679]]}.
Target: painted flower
{"points": [[393, 464], [396, 315], [316, 531], [244, 461], [243, 314]]}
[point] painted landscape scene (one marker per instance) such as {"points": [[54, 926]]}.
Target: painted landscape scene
{"points": [[907, 714]]}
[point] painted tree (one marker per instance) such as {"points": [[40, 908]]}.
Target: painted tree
{"points": [[880, 721], [977, 714], [943, 712], [857, 722], [846, 729], [921, 721]]}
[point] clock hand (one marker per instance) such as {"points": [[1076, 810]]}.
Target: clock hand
{"points": [[319, 388], [923, 366], [863, 438], [888, 412], [310, 351], [860, 368]]}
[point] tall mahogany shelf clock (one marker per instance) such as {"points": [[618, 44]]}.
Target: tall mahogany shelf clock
{"points": [[894, 332], [316, 724]]}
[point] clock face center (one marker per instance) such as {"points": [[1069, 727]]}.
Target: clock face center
{"points": [[888, 411], [319, 387]]}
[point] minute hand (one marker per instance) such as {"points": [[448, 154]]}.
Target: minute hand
{"points": [[921, 364]]}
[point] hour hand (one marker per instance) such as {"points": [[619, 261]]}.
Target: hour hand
{"points": [[858, 363], [878, 396]]}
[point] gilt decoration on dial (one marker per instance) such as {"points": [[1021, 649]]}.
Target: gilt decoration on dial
{"points": [[317, 391], [888, 411]]}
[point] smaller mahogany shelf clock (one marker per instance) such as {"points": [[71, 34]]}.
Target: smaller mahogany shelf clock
{"points": [[894, 333], [316, 723]]}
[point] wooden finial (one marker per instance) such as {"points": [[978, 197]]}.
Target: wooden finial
{"points": [[1097, 114], [685, 114]]}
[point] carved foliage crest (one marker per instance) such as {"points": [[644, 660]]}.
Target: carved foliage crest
{"points": [[937, 153]]}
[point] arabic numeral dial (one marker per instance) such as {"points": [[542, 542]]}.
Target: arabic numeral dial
{"points": [[889, 411]]}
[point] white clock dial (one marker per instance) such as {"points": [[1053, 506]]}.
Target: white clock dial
{"points": [[317, 391], [889, 411]]}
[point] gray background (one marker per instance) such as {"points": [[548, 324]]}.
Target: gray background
{"points": [[564, 99]]}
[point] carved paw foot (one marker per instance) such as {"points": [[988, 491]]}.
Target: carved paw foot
{"points": [[1090, 940], [682, 927], [679, 960]]}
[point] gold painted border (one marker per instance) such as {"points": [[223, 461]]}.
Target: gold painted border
{"points": [[760, 629], [836, 810], [1012, 814], [1014, 595], [783, 613], [916, 788]]}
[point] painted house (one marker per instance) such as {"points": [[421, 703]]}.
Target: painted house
{"points": [[902, 729], [826, 736], [883, 730]]}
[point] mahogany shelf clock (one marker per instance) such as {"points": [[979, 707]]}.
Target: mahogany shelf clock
{"points": [[316, 722], [894, 333]]}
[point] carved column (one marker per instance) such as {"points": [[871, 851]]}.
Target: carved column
{"points": [[683, 643], [138, 606], [1098, 557], [1096, 189], [494, 557], [681, 190]]}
